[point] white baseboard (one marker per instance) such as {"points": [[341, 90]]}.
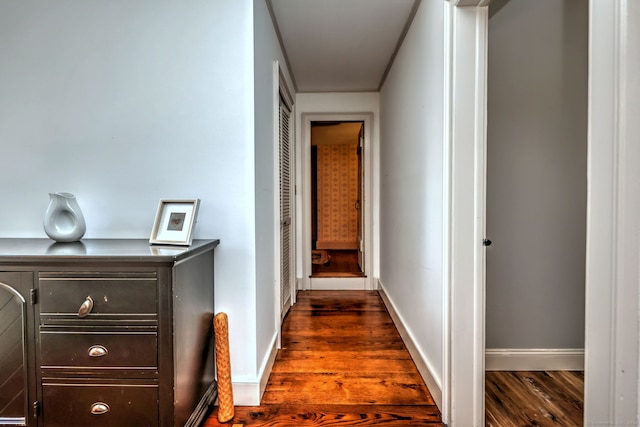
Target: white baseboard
{"points": [[434, 386], [249, 392], [246, 393], [534, 359], [267, 366], [338, 283]]}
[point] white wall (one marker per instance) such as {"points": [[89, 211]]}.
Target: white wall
{"points": [[412, 183], [123, 103], [536, 174], [267, 50]]}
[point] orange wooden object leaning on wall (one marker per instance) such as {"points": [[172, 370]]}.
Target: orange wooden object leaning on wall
{"points": [[223, 366]]}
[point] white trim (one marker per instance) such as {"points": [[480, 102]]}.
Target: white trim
{"points": [[445, 408], [277, 258], [466, 141], [433, 383], [267, 366], [480, 206], [613, 219], [249, 392], [534, 359], [338, 284], [305, 251], [246, 393]]}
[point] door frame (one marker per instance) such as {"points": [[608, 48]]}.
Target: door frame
{"points": [[466, 39], [611, 330], [356, 283], [613, 225]]}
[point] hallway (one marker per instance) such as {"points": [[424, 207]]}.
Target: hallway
{"points": [[342, 362]]}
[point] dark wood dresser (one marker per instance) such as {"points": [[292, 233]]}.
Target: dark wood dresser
{"points": [[106, 332]]}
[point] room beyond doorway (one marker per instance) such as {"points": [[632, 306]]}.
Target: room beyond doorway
{"points": [[335, 263], [366, 248], [337, 188]]}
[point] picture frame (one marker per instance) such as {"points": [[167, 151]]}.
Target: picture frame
{"points": [[175, 221]]}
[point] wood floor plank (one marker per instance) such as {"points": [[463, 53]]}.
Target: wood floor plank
{"points": [[342, 363], [557, 403], [382, 361], [351, 301], [381, 334], [347, 388], [339, 324], [502, 402], [538, 398], [332, 415], [331, 343]]}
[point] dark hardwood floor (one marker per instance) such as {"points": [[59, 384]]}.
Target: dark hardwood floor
{"points": [[342, 363], [538, 398], [341, 263]]}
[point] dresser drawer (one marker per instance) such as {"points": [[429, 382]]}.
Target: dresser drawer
{"points": [[114, 349], [67, 405], [97, 296]]}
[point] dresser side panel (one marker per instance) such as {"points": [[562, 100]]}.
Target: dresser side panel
{"points": [[193, 311]]}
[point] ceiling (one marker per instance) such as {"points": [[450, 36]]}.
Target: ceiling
{"points": [[341, 45]]}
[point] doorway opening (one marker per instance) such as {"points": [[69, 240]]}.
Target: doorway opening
{"points": [[337, 189], [536, 204]]}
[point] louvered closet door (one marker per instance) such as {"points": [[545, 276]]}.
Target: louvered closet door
{"points": [[285, 209]]}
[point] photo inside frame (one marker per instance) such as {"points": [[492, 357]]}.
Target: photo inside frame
{"points": [[175, 223]]}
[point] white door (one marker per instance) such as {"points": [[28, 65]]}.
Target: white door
{"points": [[286, 270]]}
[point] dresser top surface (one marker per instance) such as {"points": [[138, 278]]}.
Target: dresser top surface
{"points": [[46, 250]]}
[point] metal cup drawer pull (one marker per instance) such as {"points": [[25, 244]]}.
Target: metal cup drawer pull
{"points": [[97, 351], [86, 307], [99, 408]]}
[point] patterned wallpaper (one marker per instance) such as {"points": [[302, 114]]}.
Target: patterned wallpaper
{"points": [[337, 194]]}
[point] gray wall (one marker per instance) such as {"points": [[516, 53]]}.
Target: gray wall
{"points": [[537, 177]]}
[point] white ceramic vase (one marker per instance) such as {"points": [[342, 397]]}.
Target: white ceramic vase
{"points": [[63, 220]]}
